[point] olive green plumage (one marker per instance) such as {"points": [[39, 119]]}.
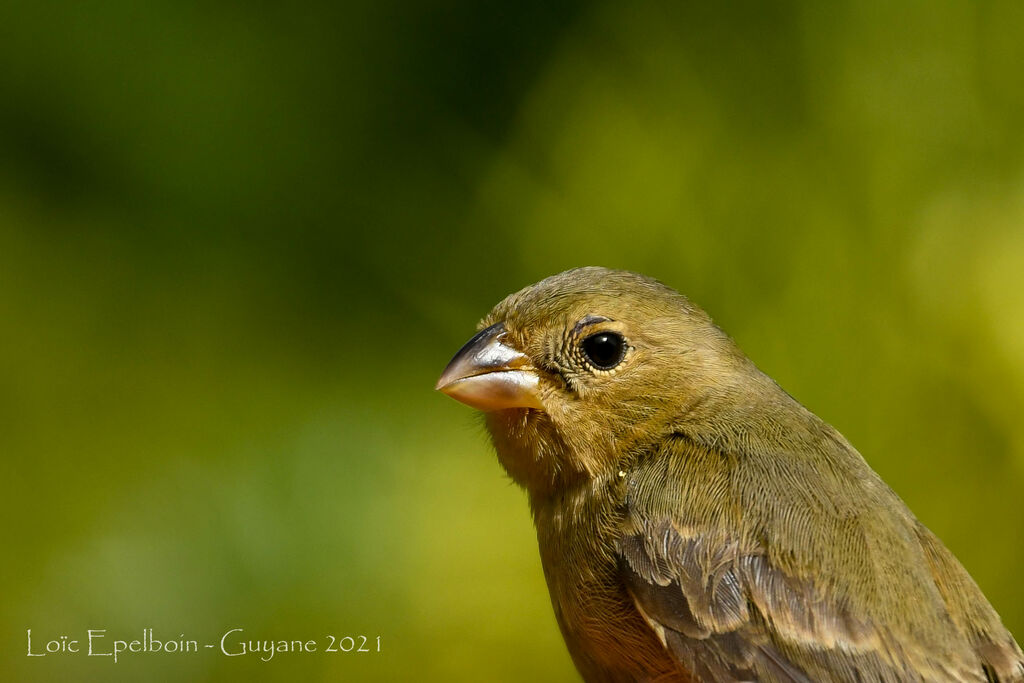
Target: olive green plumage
{"points": [[696, 523]]}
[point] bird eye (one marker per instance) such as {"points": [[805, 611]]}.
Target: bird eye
{"points": [[604, 350]]}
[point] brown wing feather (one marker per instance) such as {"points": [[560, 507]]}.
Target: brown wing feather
{"points": [[726, 614], [797, 583], [999, 654]]}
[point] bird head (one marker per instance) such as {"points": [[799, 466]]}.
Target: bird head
{"points": [[584, 368]]}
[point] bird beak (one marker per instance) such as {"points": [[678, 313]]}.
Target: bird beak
{"points": [[489, 375]]}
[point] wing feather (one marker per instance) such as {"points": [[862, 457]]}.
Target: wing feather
{"points": [[725, 612]]}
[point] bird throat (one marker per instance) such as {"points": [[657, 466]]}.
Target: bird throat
{"points": [[534, 453]]}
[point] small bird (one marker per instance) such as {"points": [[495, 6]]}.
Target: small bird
{"points": [[695, 522]]}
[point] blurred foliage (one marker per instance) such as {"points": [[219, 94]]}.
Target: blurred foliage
{"points": [[238, 242]]}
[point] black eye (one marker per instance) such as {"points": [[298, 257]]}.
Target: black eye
{"points": [[604, 350]]}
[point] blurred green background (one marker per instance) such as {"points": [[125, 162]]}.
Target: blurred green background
{"points": [[239, 241]]}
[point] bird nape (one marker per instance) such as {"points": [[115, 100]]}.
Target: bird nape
{"points": [[695, 522]]}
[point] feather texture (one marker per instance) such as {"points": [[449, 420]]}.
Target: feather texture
{"points": [[696, 523]]}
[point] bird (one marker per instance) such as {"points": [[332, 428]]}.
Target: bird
{"points": [[695, 522]]}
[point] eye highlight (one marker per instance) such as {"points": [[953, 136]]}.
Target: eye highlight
{"points": [[604, 350]]}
